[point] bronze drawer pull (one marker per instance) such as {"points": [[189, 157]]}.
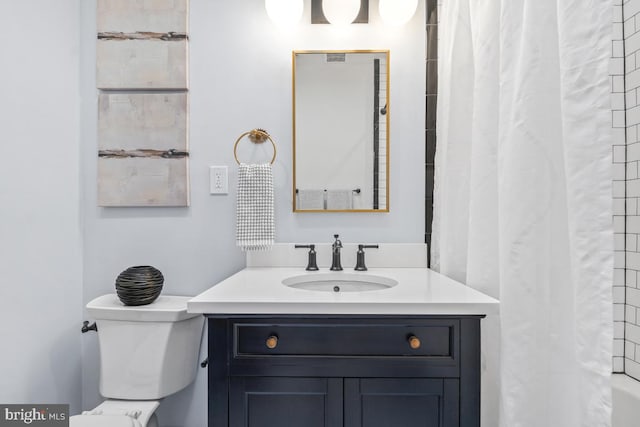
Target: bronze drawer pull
{"points": [[414, 342], [272, 342]]}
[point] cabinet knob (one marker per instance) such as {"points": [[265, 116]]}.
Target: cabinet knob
{"points": [[272, 342], [414, 342]]}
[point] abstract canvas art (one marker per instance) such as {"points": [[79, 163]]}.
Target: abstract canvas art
{"points": [[143, 149], [143, 157], [130, 16], [142, 44], [141, 61]]}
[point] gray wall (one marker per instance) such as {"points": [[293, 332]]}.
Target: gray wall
{"points": [[58, 250], [240, 78], [40, 229]]}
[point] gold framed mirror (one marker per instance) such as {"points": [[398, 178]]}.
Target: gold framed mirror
{"points": [[341, 130]]}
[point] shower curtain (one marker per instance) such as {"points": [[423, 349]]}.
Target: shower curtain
{"points": [[522, 200]]}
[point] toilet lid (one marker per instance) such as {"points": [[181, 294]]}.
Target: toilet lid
{"points": [[103, 421]]}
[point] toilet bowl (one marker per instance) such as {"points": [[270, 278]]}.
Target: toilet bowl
{"points": [[146, 353]]}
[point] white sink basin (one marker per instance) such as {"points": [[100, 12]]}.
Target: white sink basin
{"points": [[339, 282]]}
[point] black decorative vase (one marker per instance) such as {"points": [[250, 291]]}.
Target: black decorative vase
{"points": [[139, 285]]}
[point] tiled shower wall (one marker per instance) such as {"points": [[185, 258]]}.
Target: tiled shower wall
{"points": [[431, 98], [619, 210], [630, 240], [382, 149]]}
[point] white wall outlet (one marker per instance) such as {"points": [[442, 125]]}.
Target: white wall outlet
{"points": [[219, 179]]}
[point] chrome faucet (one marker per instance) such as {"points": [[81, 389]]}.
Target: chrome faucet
{"points": [[336, 264]]}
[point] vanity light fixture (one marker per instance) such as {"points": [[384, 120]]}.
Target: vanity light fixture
{"points": [[397, 12], [284, 12], [341, 12]]}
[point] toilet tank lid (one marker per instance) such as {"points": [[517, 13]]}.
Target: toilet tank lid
{"points": [[167, 308]]}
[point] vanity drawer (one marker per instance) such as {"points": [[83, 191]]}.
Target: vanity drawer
{"points": [[343, 340]]}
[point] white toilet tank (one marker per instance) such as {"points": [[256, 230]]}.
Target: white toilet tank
{"points": [[146, 352]]}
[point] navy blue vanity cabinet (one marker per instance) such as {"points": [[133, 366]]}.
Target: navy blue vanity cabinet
{"points": [[285, 401], [344, 371]]}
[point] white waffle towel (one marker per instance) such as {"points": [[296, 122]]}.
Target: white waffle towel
{"points": [[255, 208]]}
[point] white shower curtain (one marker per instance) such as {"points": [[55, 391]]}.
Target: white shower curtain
{"points": [[523, 202]]}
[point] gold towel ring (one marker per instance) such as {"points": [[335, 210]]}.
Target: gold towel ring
{"points": [[257, 136]]}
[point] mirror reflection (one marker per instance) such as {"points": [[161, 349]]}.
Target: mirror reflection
{"points": [[341, 131]]}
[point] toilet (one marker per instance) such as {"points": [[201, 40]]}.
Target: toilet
{"points": [[146, 353]]}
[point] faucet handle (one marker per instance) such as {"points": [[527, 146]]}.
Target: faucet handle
{"points": [[312, 264], [360, 265], [337, 243]]}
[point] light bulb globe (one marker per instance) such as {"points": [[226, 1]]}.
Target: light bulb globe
{"points": [[284, 12], [340, 12]]}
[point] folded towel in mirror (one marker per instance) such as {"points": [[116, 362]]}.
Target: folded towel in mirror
{"points": [[339, 199], [310, 199], [255, 227]]}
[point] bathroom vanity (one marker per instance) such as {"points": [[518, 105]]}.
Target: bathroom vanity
{"points": [[406, 355]]}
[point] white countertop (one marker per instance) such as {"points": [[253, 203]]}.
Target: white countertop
{"points": [[420, 291]]}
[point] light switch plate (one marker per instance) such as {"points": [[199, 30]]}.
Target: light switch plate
{"points": [[219, 179]]}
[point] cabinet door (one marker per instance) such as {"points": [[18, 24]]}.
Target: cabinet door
{"points": [[285, 402], [385, 402]]}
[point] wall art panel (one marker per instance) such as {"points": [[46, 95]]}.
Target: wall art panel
{"points": [[152, 61], [143, 149], [148, 180], [142, 72], [143, 15]]}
